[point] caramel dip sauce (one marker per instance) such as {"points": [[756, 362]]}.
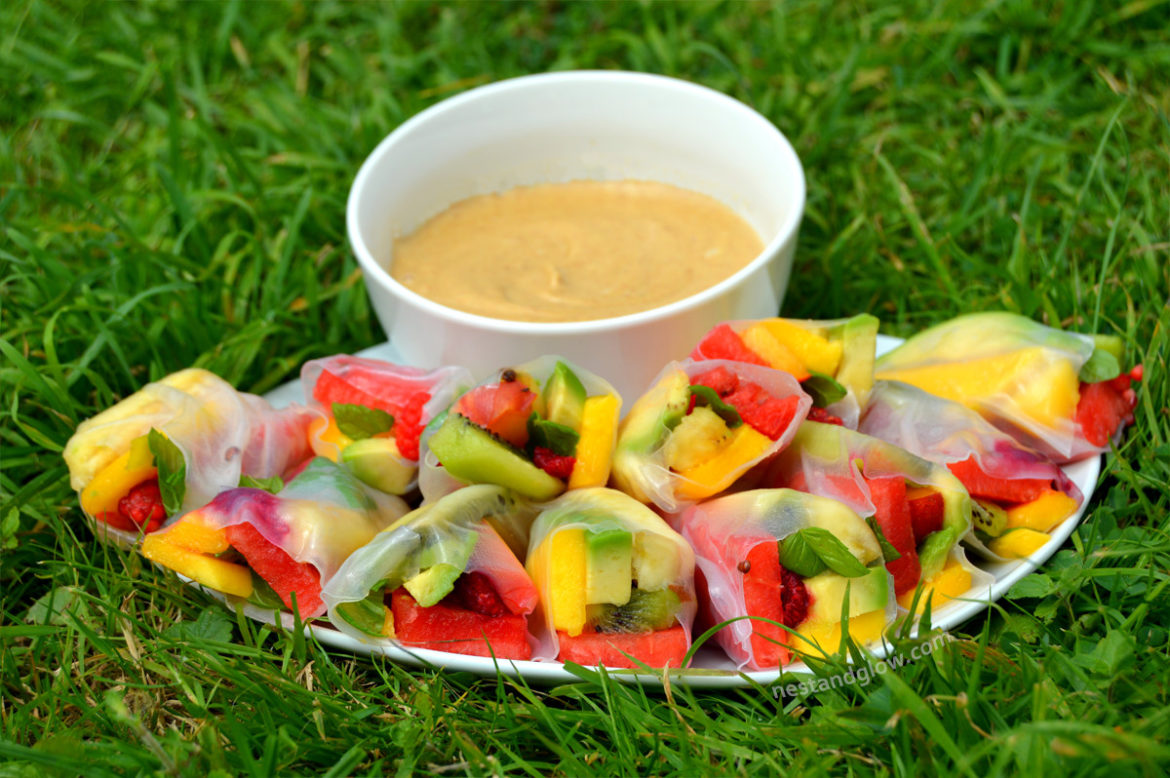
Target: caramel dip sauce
{"points": [[574, 251]]}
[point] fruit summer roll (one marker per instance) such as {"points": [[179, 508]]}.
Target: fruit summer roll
{"points": [[174, 445], [772, 557], [1020, 496], [276, 549], [616, 583], [918, 509], [1058, 392], [443, 577], [373, 413], [538, 428], [832, 360], [703, 425]]}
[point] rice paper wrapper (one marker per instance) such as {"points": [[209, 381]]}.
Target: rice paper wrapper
{"points": [[640, 464], [434, 480], [481, 528], [945, 432], [319, 518], [412, 395], [1020, 375], [723, 531], [222, 434], [600, 509], [832, 461], [857, 339]]}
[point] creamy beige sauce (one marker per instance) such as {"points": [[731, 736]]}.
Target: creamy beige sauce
{"points": [[574, 251]]}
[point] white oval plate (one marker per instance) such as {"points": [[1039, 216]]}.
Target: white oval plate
{"points": [[711, 668]]}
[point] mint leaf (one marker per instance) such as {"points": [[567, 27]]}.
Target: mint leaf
{"points": [[272, 485], [1102, 366], [798, 550], [824, 390], [358, 422], [798, 556], [889, 553], [558, 438], [172, 471], [705, 395]]}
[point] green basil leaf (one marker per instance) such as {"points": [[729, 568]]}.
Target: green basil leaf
{"points": [[705, 395], [1102, 366], [358, 422], [824, 390], [172, 471], [798, 556], [889, 553], [367, 615], [272, 485], [263, 595], [558, 438]]}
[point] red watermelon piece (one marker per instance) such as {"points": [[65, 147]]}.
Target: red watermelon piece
{"points": [[721, 380], [766, 414], [502, 409], [723, 343], [763, 585], [444, 627], [926, 514], [892, 513], [1005, 490], [1105, 407], [284, 574], [664, 648], [403, 400]]}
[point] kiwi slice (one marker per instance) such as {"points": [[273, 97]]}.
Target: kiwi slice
{"points": [[990, 519], [645, 612]]}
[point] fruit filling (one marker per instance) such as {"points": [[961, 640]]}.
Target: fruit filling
{"points": [[141, 509]]}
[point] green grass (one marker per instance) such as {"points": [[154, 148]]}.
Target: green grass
{"points": [[172, 189]]}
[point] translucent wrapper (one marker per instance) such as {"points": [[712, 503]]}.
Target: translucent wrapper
{"points": [[640, 465], [945, 432], [413, 396], [476, 529], [840, 349], [1018, 374], [661, 559], [221, 433], [435, 480], [319, 518], [831, 461], [723, 531]]}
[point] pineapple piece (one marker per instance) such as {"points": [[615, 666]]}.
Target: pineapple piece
{"points": [[699, 437], [760, 339], [815, 352], [719, 472]]}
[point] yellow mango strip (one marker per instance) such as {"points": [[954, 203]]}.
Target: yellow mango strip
{"points": [[1018, 543], [116, 479], [720, 471], [950, 582], [566, 579], [1042, 386], [815, 352], [599, 422], [865, 628], [759, 339], [388, 623], [326, 431], [1043, 513], [213, 573]]}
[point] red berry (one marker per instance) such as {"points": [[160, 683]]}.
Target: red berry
{"points": [[824, 417], [795, 597], [474, 592], [143, 506], [554, 464]]}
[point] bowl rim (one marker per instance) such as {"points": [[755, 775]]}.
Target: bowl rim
{"points": [[381, 276]]}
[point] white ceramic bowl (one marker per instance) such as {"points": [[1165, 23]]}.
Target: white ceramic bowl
{"points": [[565, 126]]}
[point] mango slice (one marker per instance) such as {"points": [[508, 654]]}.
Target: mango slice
{"points": [[865, 628], [116, 479], [567, 582], [187, 547], [595, 447], [760, 339], [950, 582], [1018, 543], [720, 471], [1043, 513], [815, 352]]}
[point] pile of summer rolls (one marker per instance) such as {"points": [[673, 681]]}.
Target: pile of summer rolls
{"points": [[782, 483]]}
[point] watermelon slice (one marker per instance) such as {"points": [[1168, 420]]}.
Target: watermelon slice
{"points": [[664, 648], [892, 513], [1105, 407], [284, 574], [401, 399], [766, 414], [980, 484], [721, 380], [927, 512], [763, 585], [723, 343], [502, 409], [444, 627]]}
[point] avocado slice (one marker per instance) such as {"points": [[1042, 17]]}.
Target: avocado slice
{"points": [[656, 413], [433, 584], [564, 397], [378, 463], [859, 336], [608, 566], [867, 593], [471, 453]]}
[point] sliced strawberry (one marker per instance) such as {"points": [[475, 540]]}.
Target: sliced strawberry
{"points": [[824, 417], [554, 464], [143, 507]]}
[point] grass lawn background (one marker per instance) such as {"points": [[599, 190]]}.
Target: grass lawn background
{"points": [[172, 189]]}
